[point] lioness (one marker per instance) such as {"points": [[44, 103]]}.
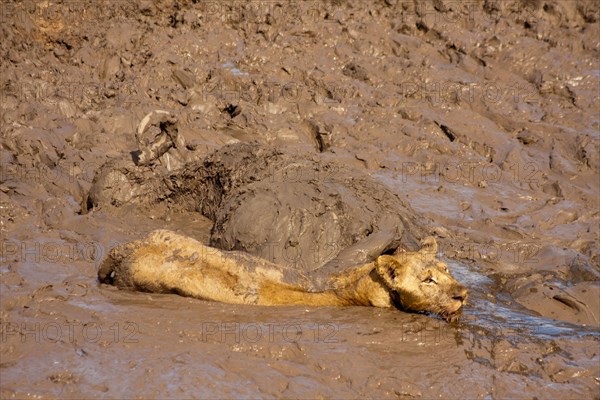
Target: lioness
{"points": [[166, 262]]}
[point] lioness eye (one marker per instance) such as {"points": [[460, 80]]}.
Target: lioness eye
{"points": [[430, 280]]}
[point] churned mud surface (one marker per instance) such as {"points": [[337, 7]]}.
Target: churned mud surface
{"points": [[480, 119]]}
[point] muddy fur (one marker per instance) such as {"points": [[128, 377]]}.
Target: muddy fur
{"points": [[166, 262]]}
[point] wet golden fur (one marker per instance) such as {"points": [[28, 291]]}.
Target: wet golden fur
{"points": [[166, 262]]}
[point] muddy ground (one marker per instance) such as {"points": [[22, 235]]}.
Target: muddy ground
{"points": [[483, 116]]}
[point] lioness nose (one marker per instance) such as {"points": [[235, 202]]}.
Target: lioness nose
{"points": [[460, 295]]}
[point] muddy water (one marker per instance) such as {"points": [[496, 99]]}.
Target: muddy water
{"points": [[481, 115]]}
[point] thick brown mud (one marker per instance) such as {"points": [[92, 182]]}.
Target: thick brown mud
{"points": [[479, 118]]}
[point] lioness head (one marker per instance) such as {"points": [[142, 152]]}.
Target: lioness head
{"points": [[418, 281]]}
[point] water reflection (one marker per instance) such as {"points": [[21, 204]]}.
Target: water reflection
{"points": [[505, 318]]}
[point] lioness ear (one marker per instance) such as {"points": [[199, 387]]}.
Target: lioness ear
{"points": [[400, 251], [429, 247], [386, 267]]}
